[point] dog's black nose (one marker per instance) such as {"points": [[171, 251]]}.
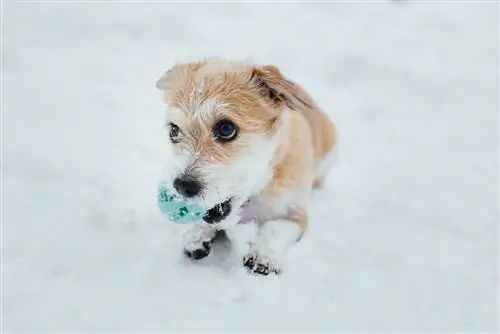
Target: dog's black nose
{"points": [[187, 187]]}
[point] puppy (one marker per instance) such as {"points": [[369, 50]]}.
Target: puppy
{"points": [[249, 145]]}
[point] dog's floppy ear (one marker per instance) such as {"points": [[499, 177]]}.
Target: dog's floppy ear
{"points": [[165, 79], [176, 74], [171, 77], [278, 90], [270, 83]]}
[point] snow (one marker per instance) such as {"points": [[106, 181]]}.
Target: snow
{"points": [[403, 238]]}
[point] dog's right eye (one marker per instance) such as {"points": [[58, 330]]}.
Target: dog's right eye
{"points": [[225, 131], [174, 133]]}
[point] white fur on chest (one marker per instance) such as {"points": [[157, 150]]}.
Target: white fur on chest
{"points": [[274, 207]]}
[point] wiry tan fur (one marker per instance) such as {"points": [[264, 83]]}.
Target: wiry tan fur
{"points": [[259, 99]]}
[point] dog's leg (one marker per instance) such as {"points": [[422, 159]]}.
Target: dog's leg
{"points": [[324, 168], [198, 240], [275, 237]]}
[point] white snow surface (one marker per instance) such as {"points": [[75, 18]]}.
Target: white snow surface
{"points": [[404, 237]]}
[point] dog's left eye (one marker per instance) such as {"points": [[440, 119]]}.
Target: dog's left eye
{"points": [[225, 130], [174, 133]]}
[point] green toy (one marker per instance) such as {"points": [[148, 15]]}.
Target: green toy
{"points": [[178, 210]]}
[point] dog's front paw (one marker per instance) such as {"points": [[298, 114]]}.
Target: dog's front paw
{"points": [[258, 263], [198, 241]]}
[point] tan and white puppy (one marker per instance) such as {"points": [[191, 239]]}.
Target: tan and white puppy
{"points": [[245, 136]]}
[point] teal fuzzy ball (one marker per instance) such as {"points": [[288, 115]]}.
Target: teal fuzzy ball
{"points": [[178, 210]]}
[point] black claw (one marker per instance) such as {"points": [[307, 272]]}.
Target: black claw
{"points": [[258, 268], [261, 269], [198, 254], [249, 262]]}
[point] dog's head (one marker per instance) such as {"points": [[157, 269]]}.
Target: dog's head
{"points": [[223, 124]]}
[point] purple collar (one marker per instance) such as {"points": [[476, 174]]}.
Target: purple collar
{"points": [[248, 212]]}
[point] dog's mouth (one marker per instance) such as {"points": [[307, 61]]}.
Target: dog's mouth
{"points": [[218, 213]]}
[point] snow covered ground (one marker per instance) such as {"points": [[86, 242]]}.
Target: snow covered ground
{"points": [[403, 238]]}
